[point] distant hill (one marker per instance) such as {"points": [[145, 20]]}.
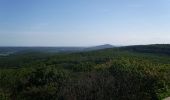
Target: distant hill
{"points": [[154, 48], [4, 51], [105, 46]]}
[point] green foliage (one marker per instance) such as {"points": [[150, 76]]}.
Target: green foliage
{"points": [[111, 74]]}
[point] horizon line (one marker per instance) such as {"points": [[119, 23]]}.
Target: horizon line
{"points": [[87, 46]]}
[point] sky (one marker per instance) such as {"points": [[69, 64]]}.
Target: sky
{"points": [[84, 22]]}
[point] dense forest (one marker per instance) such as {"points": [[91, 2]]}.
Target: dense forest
{"points": [[119, 73]]}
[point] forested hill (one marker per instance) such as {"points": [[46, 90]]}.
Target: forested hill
{"points": [[120, 73], [155, 48]]}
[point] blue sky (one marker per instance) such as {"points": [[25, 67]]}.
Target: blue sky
{"points": [[84, 22]]}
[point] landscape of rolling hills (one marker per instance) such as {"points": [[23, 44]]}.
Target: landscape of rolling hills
{"points": [[84, 50], [138, 72]]}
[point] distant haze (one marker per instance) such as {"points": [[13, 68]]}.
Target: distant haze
{"points": [[84, 22]]}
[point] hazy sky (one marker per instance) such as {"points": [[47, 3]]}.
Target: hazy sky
{"points": [[83, 22]]}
